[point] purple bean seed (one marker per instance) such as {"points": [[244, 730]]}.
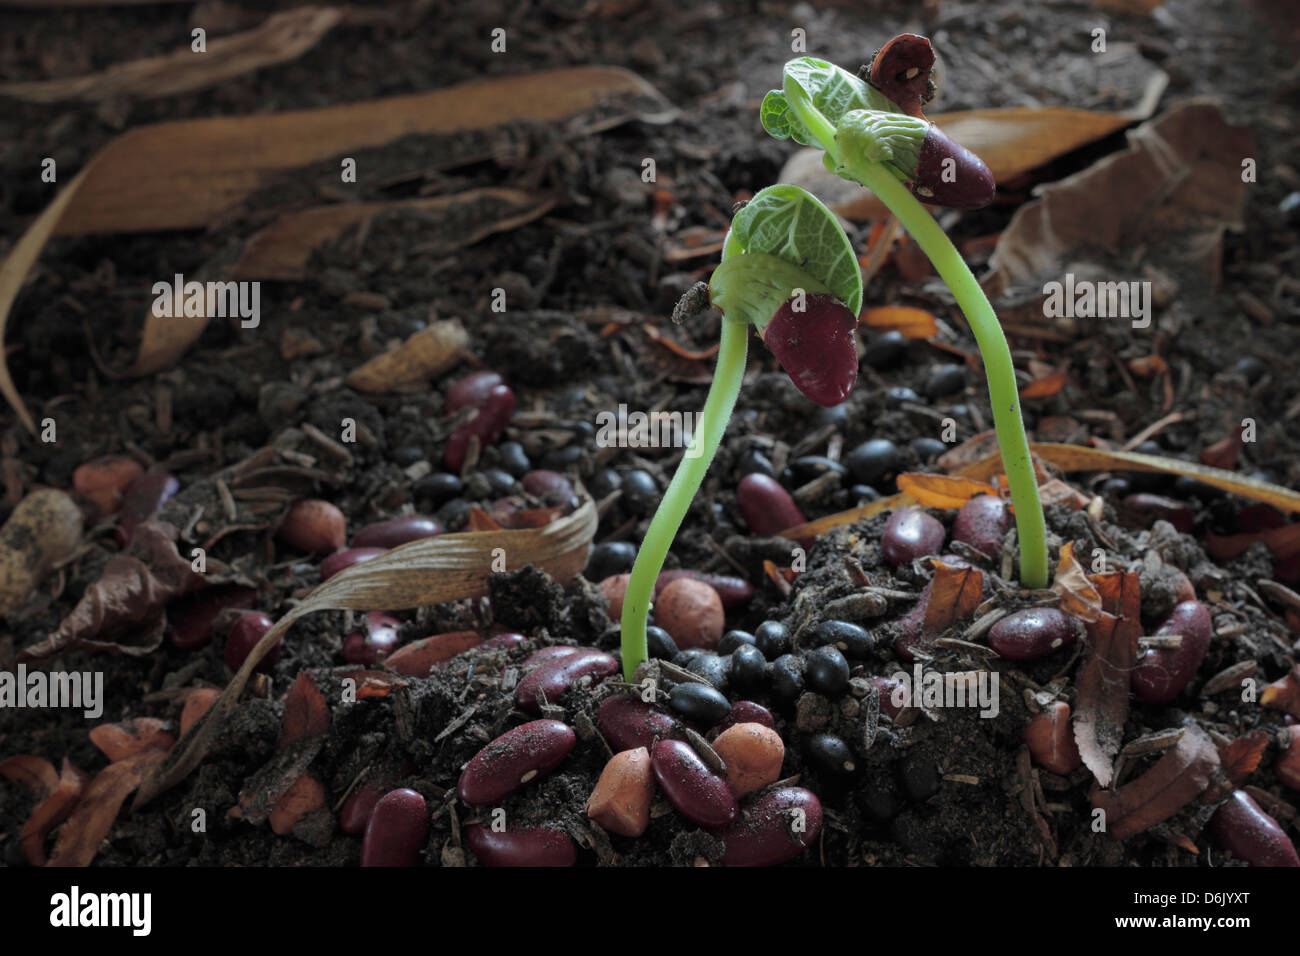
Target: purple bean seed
{"points": [[141, 500], [1032, 633], [342, 560], [515, 758], [1244, 830], [551, 486], [766, 507], [396, 531], [886, 687], [911, 629], [1157, 507], [982, 523], [547, 654], [1160, 674], [629, 722], [910, 533], [507, 641], [397, 830], [701, 795], [191, 618], [471, 391], [538, 846], [357, 808], [776, 827], [745, 712], [374, 642], [243, 637], [487, 424], [554, 677]]}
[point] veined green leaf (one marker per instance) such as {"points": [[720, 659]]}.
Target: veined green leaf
{"points": [[790, 223], [834, 92], [753, 287]]}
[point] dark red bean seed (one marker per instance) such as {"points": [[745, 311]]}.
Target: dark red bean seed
{"points": [[970, 187], [471, 391], [901, 70], [1160, 674], [396, 831], [776, 827], [547, 654], [1158, 507], [243, 637], [551, 486], [628, 722], [507, 641], [141, 500], [885, 688], [357, 808], [766, 507], [555, 677], [1259, 517], [514, 759], [1032, 633], [910, 533], [487, 424], [982, 523], [375, 641], [342, 560], [816, 347], [745, 712], [396, 531], [734, 592], [192, 617], [1247, 832], [539, 846], [696, 791]]}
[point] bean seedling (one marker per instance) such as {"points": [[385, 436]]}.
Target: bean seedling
{"points": [[788, 270]]}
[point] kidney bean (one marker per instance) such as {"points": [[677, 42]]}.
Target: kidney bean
{"points": [[885, 688], [313, 525], [243, 637], [816, 347], [766, 507], [1247, 832], [753, 755], [471, 391], [192, 617], [691, 612], [982, 523], [1160, 674], [555, 677], [518, 756], [1158, 507], [396, 531], [745, 712], [551, 486], [545, 655], [359, 805], [141, 500], [103, 480], [621, 799], [538, 846], [376, 641], [628, 722], [734, 592], [487, 424], [775, 828], [507, 641], [910, 533], [1050, 739], [396, 831], [700, 703], [1032, 633], [342, 560], [690, 786]]}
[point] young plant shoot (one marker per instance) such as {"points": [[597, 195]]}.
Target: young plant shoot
{"points": [[788, 271]]}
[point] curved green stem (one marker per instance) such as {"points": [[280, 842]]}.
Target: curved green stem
{"points": [[681, 490], [1003, 396]]}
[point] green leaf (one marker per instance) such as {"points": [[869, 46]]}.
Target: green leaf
{"points": [[753, 287], [834, 92], [790, 223]]}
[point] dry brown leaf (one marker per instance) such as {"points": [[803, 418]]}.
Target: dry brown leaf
{"points": [[1178, 778], [37, 773], [912, 323], [447, 567], [283, 249], [1241, 757], [1283, 542], [282, 37], [1102, 706], [1078, 597], [1047, 385], [942, 491], [201, 168], [1283, 694], [954, 595], [43, 531], [1223, 453], [305, 796], [52, 811], [302, 734], [82, 835], [427, 354], [124, 612], [480, 521], [128, 738], [305, 712]]}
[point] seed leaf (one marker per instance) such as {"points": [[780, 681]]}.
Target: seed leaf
{"points": [[834, 92]]}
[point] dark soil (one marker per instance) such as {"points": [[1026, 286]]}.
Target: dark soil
{"points": [[597, 258]]}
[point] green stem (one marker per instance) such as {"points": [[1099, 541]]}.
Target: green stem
{"points": [[1003, 396], [681, 490]]}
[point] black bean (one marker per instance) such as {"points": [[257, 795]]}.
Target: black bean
{"points": [[825, 671], [808, 467], [773, 639], [748, 666], [640, 493], [899, 394], [830, 755], [786, 677], [873, 460], [919, 777], [1250, 368], [699, 703], [683, 658], [659, 644], [864, 493], [879, 798], [404, 455], [927, 449], [499, 480], [610, 558], [945, 380], [513, 458], [885, 350], [604, 483], [854, 642], [438, 487], [752, 461], [712, 668], [561, 458], [453, 513], [733, 639]]}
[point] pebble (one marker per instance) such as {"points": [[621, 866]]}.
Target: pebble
{"points": [[396, 831], [733, 591], [614, 588], [314, 526], [103, 480], [514, 759], [753, 754], [620, 801], [691, 612], [697, 792]]}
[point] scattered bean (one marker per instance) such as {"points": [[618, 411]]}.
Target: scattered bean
{"points": [[471, 391], [830, 755], [786, 678], [191, 618], [486, 424], [514, 759], [243, 637], [1247, 832], [396, 531], [1050, 739], [766, 507], [773, 639], [910, 533], [701, 703], [982, 523], [690, 786], [854, 642], [748, 666], [396, 831], [537, 846], [1160, 674], [628, 722], [874, 459], [313, 525], [373, 643], [554, 678], [1032, 633], [357, 808], [774, 829], [342, 560]]}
